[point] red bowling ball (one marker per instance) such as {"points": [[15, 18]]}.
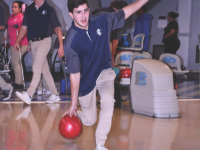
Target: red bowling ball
{"points": [[70, 127], [125, 73]]}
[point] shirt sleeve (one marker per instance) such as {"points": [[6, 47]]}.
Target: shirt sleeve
{"points": [[2, 16], [72, 60], [54, 20], [25, 19], [115, 19]]}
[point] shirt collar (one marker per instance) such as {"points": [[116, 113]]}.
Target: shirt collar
{"points": [[81, 30], [18, 15], [40, 6]]}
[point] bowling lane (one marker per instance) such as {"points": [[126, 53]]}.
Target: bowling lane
{"points": [[35, 127]]}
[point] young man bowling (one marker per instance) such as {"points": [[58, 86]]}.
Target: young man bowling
{"points": [[89, 63]]}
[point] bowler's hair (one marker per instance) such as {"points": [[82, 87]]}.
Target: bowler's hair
{"points": [[75, 4]]}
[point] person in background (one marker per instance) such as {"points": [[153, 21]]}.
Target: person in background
{"points": [[115, 36], [40, 21], [6, 87], [170, 40], [14, 24], [143, 25]]}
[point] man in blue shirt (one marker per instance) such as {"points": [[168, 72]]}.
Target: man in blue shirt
{"points": [[89, 63], [143, 25]]}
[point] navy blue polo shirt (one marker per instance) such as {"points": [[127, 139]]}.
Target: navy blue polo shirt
{"points": [[88, 51], [115, 34], [40, 22]]}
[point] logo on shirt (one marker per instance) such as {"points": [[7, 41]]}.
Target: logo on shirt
{"points": [[99, 32], [44, 12]]}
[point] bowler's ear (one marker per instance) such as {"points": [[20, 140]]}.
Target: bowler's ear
{"points": [[71, 15]]}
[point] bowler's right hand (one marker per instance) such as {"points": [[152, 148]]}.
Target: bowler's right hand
{"points": [[71, 111]]}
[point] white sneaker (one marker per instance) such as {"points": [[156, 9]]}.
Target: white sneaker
{"points": [[47, 92], [24, 97], [7, 94], [100, 147], [53, 99], [40, 92], [24, 113], [43, 91]]}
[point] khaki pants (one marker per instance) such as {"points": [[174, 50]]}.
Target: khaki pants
{"points": [[42, 84], [4, 85], [40, 66], [16, 63], [105, 86]]}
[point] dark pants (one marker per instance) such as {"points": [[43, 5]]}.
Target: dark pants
{"points": [[171, 45]]}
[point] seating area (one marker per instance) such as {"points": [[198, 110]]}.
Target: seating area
{"points": [[126, 55], [175, 62]]}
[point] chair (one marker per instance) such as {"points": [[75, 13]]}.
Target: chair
{"points": [[124, 59], [174, 62], [137, 56], [5, 51], [147, 53], [137, 44], [6, 59]]}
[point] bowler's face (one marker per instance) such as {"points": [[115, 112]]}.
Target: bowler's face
{"points": [[80, 16]]}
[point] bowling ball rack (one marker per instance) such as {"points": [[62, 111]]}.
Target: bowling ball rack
{"points": [[118, 93]]}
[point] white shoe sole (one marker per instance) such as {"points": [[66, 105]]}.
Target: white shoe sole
{"points": [[7, 98], [47, 93], [20, 97]]}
